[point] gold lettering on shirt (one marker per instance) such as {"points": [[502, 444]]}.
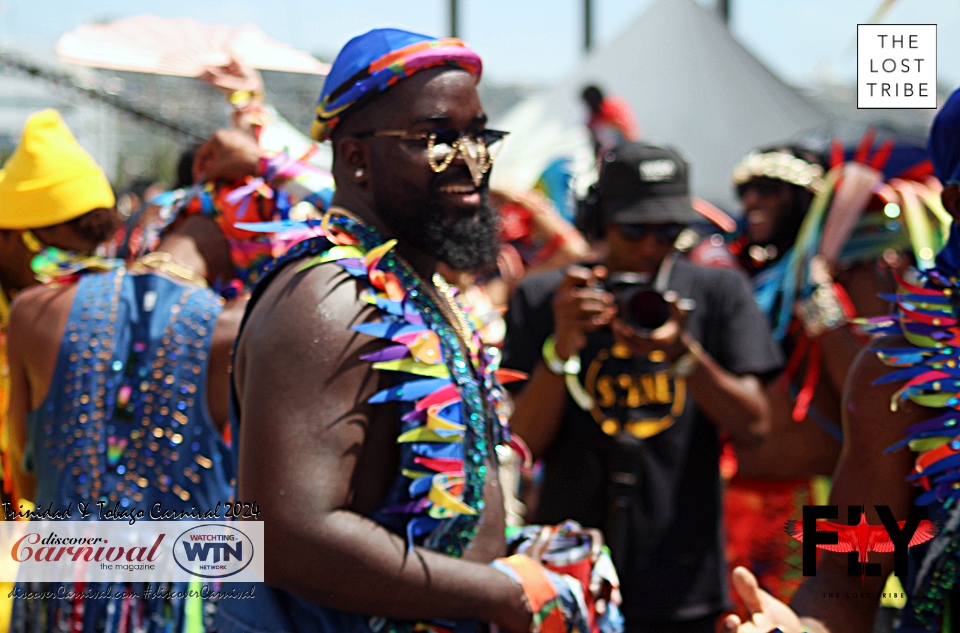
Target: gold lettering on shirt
{"points": [[643, 404], [605, 395]]}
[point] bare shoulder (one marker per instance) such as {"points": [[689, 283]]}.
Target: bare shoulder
{"points": [[31, 303], [874, 421], [38, 317], [304, 314], [867, 365], [867, 398], [297, 348], [302, 389]]}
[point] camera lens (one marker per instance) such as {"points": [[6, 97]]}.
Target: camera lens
{"points": [[643, 308]]}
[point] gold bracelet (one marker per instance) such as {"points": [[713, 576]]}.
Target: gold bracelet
{"points": [[241, 99], [822, 311]]}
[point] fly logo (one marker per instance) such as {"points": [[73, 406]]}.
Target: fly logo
{"points": [[213, 551], [858, 538]]}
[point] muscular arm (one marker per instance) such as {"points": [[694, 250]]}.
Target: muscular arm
{"points": [[305, 430], [538, 409], [864, 476], [736, 404], [864, 285]]}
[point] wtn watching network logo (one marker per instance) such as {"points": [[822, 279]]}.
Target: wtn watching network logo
{"points": [[213, 551]]}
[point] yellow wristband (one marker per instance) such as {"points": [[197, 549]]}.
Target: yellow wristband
{"points": [[550, 357], [555, 364]]}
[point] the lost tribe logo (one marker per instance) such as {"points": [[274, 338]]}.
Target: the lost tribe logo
{"points": [[858, 538], [213, 551], [897, 66]]}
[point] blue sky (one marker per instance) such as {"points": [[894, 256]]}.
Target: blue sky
{"points": [[521, 41]]}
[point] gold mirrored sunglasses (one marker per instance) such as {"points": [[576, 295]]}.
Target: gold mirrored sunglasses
{"points": [[478, 149]]}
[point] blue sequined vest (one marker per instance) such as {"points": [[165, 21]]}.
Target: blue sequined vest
{"points": [[125, 419]]}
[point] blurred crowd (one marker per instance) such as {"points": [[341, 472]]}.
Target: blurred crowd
{"points": [[639, 389]]}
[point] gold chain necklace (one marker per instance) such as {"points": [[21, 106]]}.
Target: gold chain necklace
{"points": [[459, 322], [163, 262]]}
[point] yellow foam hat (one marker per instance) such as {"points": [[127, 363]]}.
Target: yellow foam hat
{"points": [[50, 179]]}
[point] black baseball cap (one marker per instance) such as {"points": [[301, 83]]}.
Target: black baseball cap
{"points": [[645, 184]]}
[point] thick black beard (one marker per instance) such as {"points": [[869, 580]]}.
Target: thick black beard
{"points": [[469, 244]]}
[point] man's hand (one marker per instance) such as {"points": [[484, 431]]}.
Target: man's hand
{"points": [[766, 612], [233, 77], [227, 155], [580, 307]]}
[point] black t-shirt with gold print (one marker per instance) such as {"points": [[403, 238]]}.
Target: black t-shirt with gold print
{"points": [[637, 395], [675, 568]]}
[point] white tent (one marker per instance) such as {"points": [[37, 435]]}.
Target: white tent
{"points": [[691, 85]]}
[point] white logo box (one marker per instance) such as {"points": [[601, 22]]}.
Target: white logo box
{"points": [[117, 552], [896, 66]]}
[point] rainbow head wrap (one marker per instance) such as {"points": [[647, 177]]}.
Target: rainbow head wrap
{"points": [[370, 63]]}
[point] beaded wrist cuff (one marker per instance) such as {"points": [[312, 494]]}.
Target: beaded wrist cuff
{"points": [[823, 311]]}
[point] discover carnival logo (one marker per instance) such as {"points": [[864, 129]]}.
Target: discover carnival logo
{"points": [[54, 548], [117, 551], [213, 551]]}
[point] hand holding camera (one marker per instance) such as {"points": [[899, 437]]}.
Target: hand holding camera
{"points": [[580, 306], [641, 317], [648, 321]]}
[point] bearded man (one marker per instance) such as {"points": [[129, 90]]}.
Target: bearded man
{"points": [[368, 412]]}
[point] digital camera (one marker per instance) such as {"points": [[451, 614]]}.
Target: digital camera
{"points": [[639, 304]]}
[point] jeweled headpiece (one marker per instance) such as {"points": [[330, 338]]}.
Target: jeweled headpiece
{"points": [[779, 166]]}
